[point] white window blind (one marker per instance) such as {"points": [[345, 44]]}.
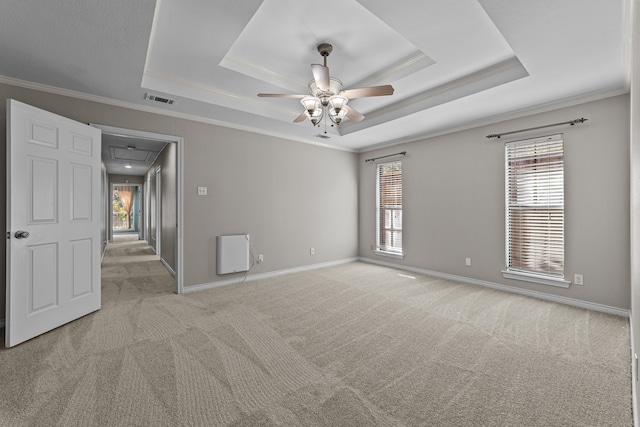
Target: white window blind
{"points": [[389, 204], [535, 206]]}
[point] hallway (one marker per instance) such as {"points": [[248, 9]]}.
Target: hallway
{"points": [[131, 270]]}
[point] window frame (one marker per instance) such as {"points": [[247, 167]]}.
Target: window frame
{"points": [[532, 275], [379, 249]]}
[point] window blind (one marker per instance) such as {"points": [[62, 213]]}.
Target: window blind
{"points": [[389, 201], [535, 206]]}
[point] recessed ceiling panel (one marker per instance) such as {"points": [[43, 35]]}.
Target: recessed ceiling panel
{"points": [[133, 155], [363, 44], [420, 48]]}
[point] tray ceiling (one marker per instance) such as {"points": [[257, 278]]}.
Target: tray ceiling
{"points": [[452, 64]]}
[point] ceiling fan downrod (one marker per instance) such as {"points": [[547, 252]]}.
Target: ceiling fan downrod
{"points": [[325, 49]]}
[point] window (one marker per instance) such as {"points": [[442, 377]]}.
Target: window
{"points": [[535, 210], [389, 209]]}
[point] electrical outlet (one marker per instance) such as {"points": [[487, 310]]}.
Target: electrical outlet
{"points": [[467, 262], [577, 279], [202, 191], [312, 251], [260, 258]]}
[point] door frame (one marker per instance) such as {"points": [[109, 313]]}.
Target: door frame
{"points": [[158, 210], [140, 203], [179, 141]]}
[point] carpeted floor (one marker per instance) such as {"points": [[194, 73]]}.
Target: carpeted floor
{"points": [[350, 345]]}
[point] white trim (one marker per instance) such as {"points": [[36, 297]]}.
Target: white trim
{"points": [[259, 276], [534, 294], [168, 267], [526, 277], [525, 112], [180, 216], [155, 110], [388, 254], [487, 121]]}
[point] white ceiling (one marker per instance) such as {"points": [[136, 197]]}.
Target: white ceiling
{"points": [[452, 63]]}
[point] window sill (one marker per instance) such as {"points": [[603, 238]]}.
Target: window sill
{"points": [[528, 277], [389, 254]]}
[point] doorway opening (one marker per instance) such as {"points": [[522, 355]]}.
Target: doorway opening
{"points": [[126, 213], [145, 202]]}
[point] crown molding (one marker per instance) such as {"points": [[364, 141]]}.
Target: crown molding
{"points": [[154, 110]]}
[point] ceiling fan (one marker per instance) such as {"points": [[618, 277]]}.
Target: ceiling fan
{"points": [[327, 94]]}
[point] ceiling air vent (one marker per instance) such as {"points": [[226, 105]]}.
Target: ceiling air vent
{"points": [[321, 136], [161, 99]]}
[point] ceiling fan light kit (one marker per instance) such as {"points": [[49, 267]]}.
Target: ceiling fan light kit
{"points": [[327, 94]]}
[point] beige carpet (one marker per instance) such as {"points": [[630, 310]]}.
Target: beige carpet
{"points": [[351, 345]]}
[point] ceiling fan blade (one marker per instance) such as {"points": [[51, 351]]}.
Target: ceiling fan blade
{"points": [[280, 95], [369, 91], [301, 117], [353, 114], [321, 76]]}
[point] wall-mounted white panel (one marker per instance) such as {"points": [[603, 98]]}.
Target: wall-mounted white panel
{"points": [[80, 192], [43, 134], [43, 277], [232, 253], [81, 254], [43, 191]]}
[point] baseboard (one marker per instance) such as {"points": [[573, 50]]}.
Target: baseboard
{"points": [[250, 277], [535, 294], [168, 267]]}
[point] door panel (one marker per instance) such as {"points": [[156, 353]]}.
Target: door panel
{"points": [[53, 194], [80, 193], [43, 188], [43, 283]]}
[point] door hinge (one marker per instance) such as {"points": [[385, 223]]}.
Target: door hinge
{"points": [[8, 235]]}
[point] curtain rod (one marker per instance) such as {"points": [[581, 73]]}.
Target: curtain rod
{"points": [[571, 122], [404, 153]]}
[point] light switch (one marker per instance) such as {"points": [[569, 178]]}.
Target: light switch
{"points": [[202, 191]]}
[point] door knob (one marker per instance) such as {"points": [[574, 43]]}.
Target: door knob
{"points": [[21, 234]]}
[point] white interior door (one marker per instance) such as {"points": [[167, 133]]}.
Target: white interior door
{"points": [[53, 221]]}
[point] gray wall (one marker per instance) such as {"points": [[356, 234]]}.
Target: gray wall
{"points": [[168, 239], [453, 195], [288, 196], [151, 194], [106, 207]]}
